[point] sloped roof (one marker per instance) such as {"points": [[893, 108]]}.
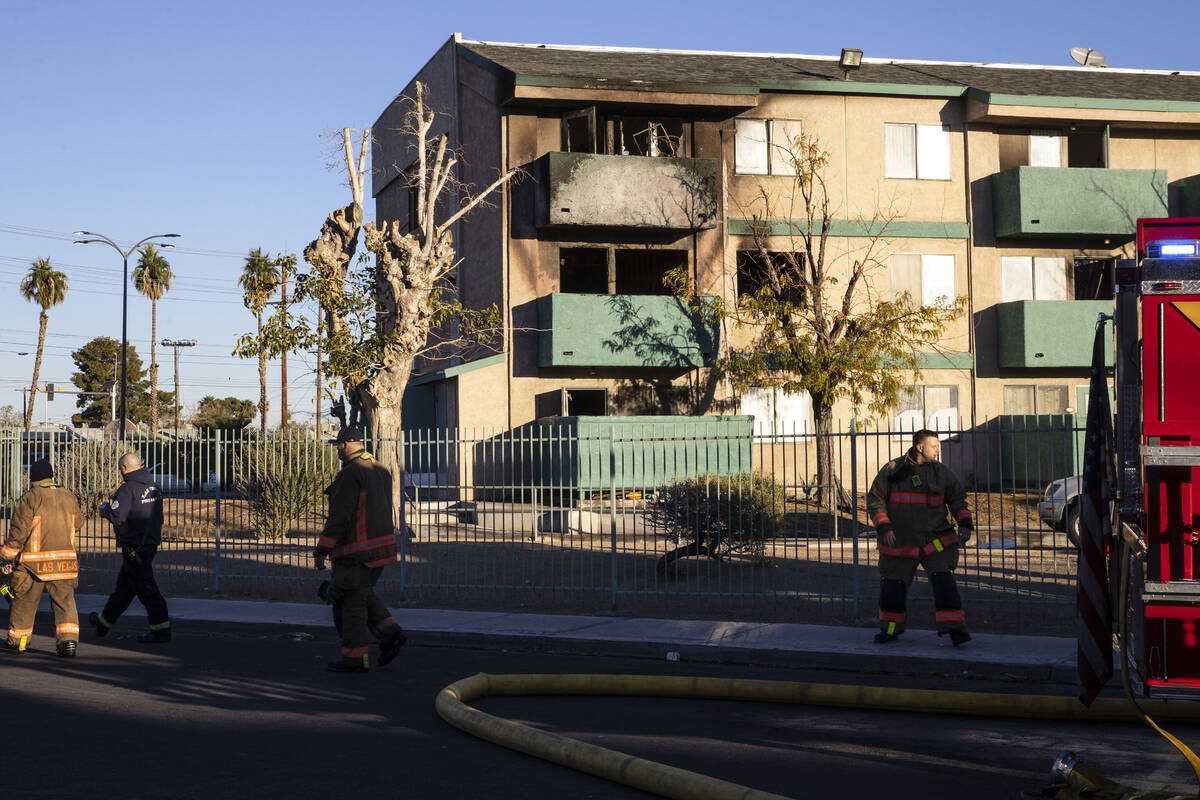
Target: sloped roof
{"points": [[609, 67]]}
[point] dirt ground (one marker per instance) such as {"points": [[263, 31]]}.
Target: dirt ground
{"points": [[1016, 576]]}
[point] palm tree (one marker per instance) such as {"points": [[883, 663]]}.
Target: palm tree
{"points": [[152, 277], [47, 287], [260, 276]]}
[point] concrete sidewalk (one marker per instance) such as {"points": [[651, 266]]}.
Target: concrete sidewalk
{"points": [[775, 644]]}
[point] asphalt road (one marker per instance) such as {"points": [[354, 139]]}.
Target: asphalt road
{"points": [[244, 711]]}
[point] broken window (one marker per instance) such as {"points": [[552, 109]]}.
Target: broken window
{"points": [[583, 270], [1094, 278], [579, 131], [644, 271], [1086, 149], [650, 136], [752, 273], [585, 402]]}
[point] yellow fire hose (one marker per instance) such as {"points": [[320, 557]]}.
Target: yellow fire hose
{"points": [[452, 706]]}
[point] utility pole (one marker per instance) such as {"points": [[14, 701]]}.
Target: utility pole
{"points": [[283, 303], [176, 344]]}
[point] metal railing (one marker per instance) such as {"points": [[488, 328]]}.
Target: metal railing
{"points": [[563, 517]]}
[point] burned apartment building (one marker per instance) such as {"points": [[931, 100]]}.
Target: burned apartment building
{"points": [[1016, 186]]}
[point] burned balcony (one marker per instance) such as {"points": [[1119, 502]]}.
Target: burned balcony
{"points": [[602, 191]]}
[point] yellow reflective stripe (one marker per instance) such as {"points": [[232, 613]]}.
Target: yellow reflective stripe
{"points": [[891, 627], [161, 626], [48, 555], [937, 545]]}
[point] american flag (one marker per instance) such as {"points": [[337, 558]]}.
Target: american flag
{"points": [[1094, 654]]}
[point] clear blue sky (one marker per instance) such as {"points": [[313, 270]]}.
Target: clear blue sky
{"points": [[208, 120]]}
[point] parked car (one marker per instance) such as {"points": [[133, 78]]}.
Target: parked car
{"points": [[168, 483], [1059, 507]]}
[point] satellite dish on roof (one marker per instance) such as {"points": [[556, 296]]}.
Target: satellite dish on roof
{"points": [[1088, 57]]}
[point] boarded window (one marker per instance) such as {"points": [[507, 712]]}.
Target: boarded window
{"points": [[1045, 149]]}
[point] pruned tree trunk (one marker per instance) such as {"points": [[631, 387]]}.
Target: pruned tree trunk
{"points": [[830, 492], [43, 318]]}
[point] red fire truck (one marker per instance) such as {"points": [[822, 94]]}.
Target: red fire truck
{"points": [[1157, 323]]}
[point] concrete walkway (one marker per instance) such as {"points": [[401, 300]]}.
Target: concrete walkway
{"points": [[1030, 657]]}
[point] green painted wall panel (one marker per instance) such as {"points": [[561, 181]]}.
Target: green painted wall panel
{"points": [[1070, 201], [623, 330], [1049, 333], [1189, 196], [852, 229], [640, 452]]}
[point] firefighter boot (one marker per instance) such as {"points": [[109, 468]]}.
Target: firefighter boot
{"points": [[883, 637], [155, 636], [960, 637], [66, 649], [390, 647], [99, 624], [356, 664], [16, 647]]}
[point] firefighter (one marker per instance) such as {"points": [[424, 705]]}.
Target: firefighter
{"points": [[908, 505], [360, 539], [136, 513], [39, 551]]}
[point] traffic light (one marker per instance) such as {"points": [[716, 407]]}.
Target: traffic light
{"points": [[49, 391]]}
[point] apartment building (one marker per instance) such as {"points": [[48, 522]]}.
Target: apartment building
{"points": [[1017, 186]]}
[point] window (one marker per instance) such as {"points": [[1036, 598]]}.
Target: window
{"points": [[778, 413], [766, 146], [585, 402], [932, 407], [929, 279], [1033, 278], [752, 272], [583, 270], [916, 151], [1036, 399], [649, 136], [1094, 278], [643, 271], [1030, 149], [579, 131]]}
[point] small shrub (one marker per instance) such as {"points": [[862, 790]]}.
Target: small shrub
{"points": [[89, 470], [717, 515], [282, 478]]}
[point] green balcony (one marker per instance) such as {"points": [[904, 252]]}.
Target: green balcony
{"points": [[623, 330], [1031, 202], [1050, 334], [599, 191]]}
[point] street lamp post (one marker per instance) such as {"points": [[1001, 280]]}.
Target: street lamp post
{"points": [[125, 302]]}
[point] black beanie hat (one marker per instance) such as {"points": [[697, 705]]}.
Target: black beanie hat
{"points": [[40, 470]]}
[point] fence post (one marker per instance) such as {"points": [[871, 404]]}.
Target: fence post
{"points": [[854, 508], [217, 513], [612, 507]]}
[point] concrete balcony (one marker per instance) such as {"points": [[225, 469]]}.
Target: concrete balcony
{"points": [[599, 191], [1049, 333], [623, 330], [1031, 202]]}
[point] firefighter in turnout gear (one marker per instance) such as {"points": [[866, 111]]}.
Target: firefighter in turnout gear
{"points": [[908, 505], [360, 539], [39, 552], [136, 513]]}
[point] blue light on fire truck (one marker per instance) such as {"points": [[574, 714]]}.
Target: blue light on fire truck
{"points": [[1178, 250]]}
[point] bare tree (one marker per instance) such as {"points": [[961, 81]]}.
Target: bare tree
{"points": [[377, 322], [819, 317]]}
